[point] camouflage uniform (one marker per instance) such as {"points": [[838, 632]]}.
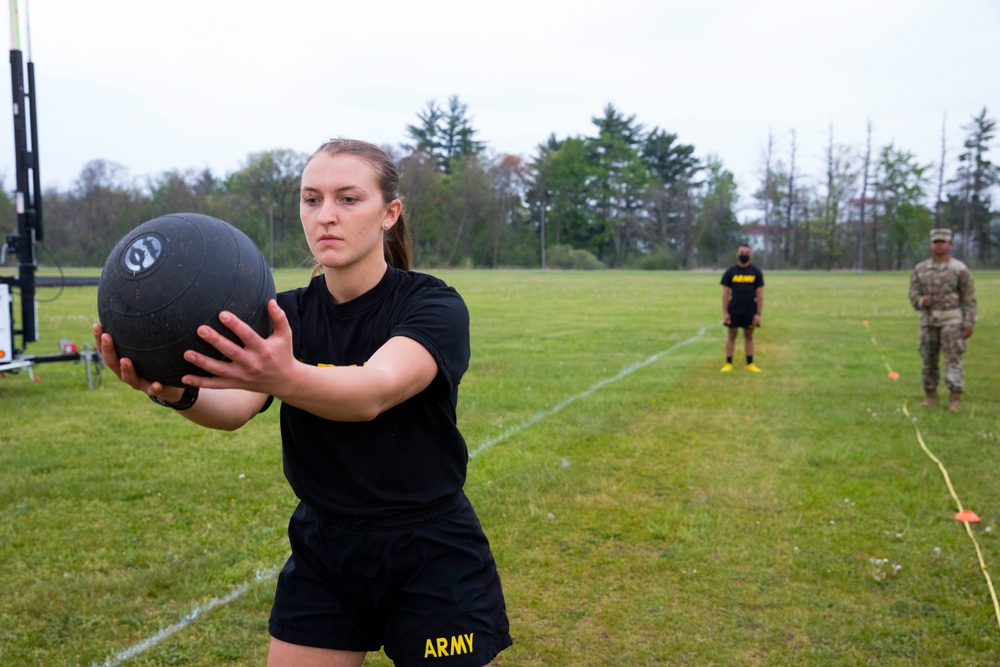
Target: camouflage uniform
{"points": [[953, 307]]}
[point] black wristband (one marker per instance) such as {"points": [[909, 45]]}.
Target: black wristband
{"points": [[188, 399]]}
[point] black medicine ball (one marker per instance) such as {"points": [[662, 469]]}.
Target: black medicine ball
{"points": [[170, 275]]}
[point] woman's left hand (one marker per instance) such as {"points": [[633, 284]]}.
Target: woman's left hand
{"points": [[261, 364]]}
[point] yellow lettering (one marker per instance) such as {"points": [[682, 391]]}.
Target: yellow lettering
{"points": [[438, 647]]}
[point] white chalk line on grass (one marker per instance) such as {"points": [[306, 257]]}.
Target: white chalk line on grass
{"points": [[188, 618], [240, 590], [628, 370]]}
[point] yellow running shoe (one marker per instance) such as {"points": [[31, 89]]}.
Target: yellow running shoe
{"points": [[753, 368], [728, 367]]}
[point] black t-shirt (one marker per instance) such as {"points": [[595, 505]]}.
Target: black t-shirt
{"points": [[743, 282], [410, 457]]}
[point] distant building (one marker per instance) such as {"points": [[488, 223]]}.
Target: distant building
{"points": [[752, 233]]}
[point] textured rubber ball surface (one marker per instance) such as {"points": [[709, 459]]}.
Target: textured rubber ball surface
{"points": [[172, 274]]}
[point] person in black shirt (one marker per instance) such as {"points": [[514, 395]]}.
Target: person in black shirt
{"points": [[742, 304], [386, 550]]}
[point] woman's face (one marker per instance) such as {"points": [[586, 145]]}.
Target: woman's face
{"points": [[342, 211]]}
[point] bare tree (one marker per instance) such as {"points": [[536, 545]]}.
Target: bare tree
{"points": [[766, 196], [832, 201], [978, 175], [864, 197], [938, 203], [790, 218], [841, 180]]}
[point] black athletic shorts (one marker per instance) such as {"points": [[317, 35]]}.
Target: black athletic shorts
{"points": [[425, 587], [740, 319]]}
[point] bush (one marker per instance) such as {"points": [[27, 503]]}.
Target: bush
{"points": [[568, 257], [661, 260]]}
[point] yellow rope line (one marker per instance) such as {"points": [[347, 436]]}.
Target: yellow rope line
{"points": [[968, 529], [944, 471], [947, 479], [894, 376]]}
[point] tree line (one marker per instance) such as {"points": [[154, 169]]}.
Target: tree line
{"points": [[623, 197]]}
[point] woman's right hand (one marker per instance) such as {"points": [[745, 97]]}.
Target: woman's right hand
{"points": [[125, 371]]}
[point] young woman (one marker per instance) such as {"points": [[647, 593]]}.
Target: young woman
{"points": [[366, 361]]}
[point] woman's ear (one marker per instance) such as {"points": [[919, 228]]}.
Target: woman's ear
{"points": [[392, 212]]}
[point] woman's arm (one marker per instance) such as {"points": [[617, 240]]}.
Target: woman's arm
{"points": [[398, 370], [219, 409]]}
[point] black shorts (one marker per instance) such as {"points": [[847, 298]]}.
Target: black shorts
{"points": [[425, 587], [741, 320]]}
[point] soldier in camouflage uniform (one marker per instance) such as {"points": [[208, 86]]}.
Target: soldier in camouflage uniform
{"points": [[942, 289]]}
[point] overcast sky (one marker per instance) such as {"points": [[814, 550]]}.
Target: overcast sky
{"points": [[194, 84]]}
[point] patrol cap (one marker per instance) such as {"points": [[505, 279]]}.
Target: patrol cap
{"points": [[943, 234]]}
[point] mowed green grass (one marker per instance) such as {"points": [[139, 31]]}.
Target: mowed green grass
{"points": [[644, 508]]}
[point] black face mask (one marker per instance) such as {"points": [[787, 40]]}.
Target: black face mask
{"points": [[743, 258]]}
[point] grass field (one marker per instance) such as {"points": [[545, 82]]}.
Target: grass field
{"points": [[644, 508]]}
